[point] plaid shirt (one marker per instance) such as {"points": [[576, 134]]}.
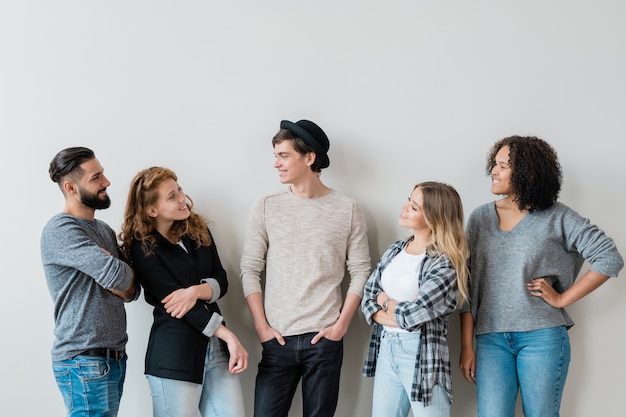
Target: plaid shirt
{"points": [[428, 314]]}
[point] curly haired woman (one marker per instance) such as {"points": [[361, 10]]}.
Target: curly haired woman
{"points": [[192, 360], [526, 250]]}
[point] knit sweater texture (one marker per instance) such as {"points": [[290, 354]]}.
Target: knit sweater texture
{"points": [[304, 246], [79, 274], [552, 243]]}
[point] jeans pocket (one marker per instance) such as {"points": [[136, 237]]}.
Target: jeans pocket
{"points": [[330, 341], [94, 370], [64, 382], [271, 342]]}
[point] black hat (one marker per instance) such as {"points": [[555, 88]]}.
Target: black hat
{"points": [[312, 135]]}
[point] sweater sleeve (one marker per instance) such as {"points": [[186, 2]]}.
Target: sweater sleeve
{"points": [[592, 243], [254, 250], [65, 243], [358, 261]]}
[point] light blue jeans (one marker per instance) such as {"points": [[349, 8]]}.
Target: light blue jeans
{"points": [[394, 377], [90, 386], [218, 395], [536, 362]]}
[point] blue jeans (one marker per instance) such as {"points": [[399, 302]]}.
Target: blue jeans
{"points": [[395, 368], [91, 386], [281, 368], [219, 395], [534, 362]]}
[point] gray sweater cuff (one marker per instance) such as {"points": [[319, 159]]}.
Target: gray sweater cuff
{"points": [[213, 324], [215, 286]]}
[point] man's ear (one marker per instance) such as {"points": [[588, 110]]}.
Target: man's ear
{"points": [[310, 158], [69, 187]]}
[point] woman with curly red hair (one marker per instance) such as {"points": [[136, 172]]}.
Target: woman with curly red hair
{"points": [[192, 360]]}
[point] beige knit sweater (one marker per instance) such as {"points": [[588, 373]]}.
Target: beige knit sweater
{"points": [[305, 246]]}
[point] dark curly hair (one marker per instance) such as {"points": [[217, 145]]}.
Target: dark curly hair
{"points": [[536, 172]]}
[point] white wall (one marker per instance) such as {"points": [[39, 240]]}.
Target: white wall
{"points": [[407, 91]]}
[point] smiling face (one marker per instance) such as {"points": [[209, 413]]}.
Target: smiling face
{"points": [[501, 173], [412, 215], [171, 205], [92, 187], [292, 166]]}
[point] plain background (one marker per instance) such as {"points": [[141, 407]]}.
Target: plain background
{"points": [[406, 90]]}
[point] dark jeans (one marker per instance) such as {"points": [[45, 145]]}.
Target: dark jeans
{"points": [[281, 368]]}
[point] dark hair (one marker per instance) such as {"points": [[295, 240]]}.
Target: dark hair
{"points": [[535, 171], [68, 161], [299, 146]]}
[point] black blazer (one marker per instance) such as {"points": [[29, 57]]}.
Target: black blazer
{"points": [[177, 347]]}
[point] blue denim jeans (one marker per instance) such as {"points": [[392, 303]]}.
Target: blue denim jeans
{"points": [[534, 362], [90, 386], [281, 368], [218, 396], [395, 368]]}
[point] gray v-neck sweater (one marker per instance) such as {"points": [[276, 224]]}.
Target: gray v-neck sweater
{"points": [[552, 243]]}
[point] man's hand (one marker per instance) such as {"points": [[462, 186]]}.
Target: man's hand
{"points": [[334, 333], [269, 333]]}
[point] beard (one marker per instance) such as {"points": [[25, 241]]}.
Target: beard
{"points": [[93, 201]]}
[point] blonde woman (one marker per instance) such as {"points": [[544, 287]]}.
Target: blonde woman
{"points": [[192, 360], [408, 298]]}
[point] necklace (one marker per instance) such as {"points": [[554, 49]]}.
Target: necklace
{"points": [[415, 249]]}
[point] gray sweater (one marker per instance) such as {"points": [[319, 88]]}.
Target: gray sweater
{"points": [[78, 273], [551, 243]]}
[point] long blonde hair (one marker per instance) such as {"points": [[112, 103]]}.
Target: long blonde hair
{"points": [[443, 211], [138, 225]]}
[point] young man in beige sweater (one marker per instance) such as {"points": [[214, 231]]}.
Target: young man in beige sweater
{"points": [[304, 238]]}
